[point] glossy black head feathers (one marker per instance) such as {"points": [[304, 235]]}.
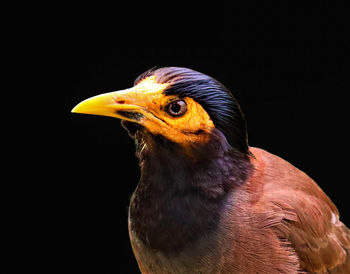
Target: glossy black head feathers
{"points": [[214, 97]]}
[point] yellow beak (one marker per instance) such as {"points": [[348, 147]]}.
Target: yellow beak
{"points": [[119, 104]]}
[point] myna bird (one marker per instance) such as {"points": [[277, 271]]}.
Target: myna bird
{"points": [[206, 201]]}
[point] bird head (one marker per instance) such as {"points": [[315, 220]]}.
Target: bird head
{"points": [[182, 105]]}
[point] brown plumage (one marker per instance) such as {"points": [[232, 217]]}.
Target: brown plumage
{"points": [[298, 212], [278, 221], [206, 201]]}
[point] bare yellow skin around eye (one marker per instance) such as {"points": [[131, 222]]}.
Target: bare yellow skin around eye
{"points": [[181, 129]]}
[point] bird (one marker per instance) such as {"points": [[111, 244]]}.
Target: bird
{"points": [[206, 201]]}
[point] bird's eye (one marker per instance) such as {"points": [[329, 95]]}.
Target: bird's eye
{"points": [[176, 108]]}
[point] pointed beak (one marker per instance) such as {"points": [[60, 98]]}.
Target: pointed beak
{"points": [[119, 104]]}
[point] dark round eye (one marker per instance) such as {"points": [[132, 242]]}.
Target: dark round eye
{"points": [[177, 108]]}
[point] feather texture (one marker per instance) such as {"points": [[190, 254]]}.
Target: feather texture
{"points": [[278, 221], [302, 215]]}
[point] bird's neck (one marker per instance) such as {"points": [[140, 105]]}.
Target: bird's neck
{"points": [[180, 194]]}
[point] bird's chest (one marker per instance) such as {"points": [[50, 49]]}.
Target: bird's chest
{"points": [[198, 257], [169, 223], [166, 252], [173, 232]]}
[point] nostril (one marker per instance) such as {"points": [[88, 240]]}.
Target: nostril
{"points": [[121, 102]]}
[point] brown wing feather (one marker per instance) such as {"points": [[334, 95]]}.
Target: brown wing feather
{"points": [[300, 213]]}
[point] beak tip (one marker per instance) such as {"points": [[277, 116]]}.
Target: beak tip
{"points": [[79, 108], [74, 110]]}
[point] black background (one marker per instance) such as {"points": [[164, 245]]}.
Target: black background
{"points": [[285, 65]]}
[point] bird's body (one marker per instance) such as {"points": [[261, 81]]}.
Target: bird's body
{"points": [[206, 201], [276, 219]]}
